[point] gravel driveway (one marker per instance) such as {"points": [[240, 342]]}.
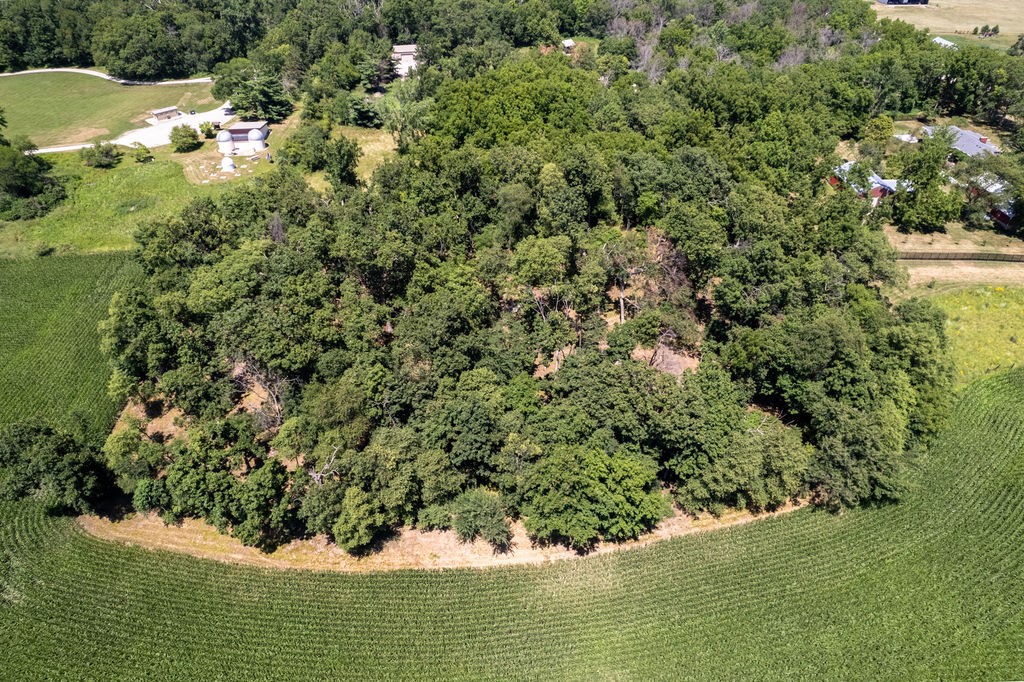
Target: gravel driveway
{"points": [[159, 133]]}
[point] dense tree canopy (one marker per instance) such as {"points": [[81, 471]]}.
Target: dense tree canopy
{"points": [[589, 287]]}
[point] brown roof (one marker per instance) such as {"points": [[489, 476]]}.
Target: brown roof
{"points": [[247, 125]]}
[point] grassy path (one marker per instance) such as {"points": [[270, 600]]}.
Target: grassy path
{"points": [[931, 588]]}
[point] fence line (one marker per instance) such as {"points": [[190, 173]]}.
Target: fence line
{"points": [[962, 255]]}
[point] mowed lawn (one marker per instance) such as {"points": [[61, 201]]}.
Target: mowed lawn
{"points": [[67, 108], [104, 207], [929, 589], [50, 361], [946, 17], [985, 328]]}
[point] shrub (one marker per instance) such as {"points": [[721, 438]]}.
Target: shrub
{"points": [[142, 153], [480, 513], [435, 517], [184, 138], [206, 128], [101, 155], [360, 521]]}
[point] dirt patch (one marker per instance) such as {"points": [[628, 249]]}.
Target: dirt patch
{"points": [[80, 135], [165, 427], [411, 549], [929, 273], [665, 359]]}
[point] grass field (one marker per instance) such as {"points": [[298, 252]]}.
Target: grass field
{"points": [[50, 362], [104, 206], [946, 17], [986, 329], [67, 108], [932, 588]]}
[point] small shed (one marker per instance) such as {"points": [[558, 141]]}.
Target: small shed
{"points": [[165, 114], [404, 59], [942, 42], [568, 45]]}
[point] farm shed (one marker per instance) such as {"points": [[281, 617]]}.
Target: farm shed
{"points": [[404, 57], [165, 114], [903, 2], [568, 45], [948, 44]]}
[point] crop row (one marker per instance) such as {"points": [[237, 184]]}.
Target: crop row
{"points": [[50, 361], [928, 588]]}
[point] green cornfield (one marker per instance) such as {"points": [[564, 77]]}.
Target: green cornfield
{"points": [[931, 588], [50, 361]]}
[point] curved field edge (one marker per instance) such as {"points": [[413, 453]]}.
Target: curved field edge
{"points": [[411, 548], [928, 588]]}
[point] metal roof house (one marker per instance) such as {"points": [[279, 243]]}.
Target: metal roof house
{"points": [[968, 142], [878, 187]]}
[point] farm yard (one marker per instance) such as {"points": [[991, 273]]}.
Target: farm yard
{"points": [[930, 588], [69, 108]]}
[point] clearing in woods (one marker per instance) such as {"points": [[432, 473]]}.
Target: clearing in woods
{"points": [[67, 108], [948, 17]]}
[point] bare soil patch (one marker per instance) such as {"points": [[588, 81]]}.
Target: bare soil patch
{"points": [[410, 549], [665, 359], [932, 273]]}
